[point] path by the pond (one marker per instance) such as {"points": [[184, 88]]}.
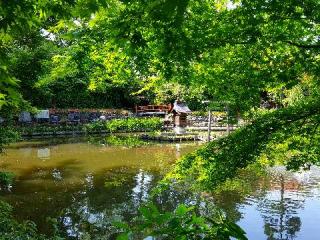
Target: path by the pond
{"points": [[87, 185]]}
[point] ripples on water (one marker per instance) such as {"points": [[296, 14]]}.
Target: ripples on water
{"points": [[87, 186], [288, 209]]}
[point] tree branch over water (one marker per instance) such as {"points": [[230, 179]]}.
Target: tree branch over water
{"points": [[306, 46], [219, 160]]}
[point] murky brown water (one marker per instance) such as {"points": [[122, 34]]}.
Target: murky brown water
{"points": [[88, 183], [83, 181]]}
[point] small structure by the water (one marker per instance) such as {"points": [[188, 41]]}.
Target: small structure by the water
{"points": [[180, 111]]}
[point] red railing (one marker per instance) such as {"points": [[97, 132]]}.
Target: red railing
{"points": [[153, 108]]}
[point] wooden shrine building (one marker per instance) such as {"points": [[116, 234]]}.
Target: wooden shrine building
{"points": [[180, 110]]}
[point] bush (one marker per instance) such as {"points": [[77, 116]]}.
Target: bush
{"points": [[7, 135], [184, 223], [52, 129], [94, 127], [134, 124], [6, 178], [115, 125]]}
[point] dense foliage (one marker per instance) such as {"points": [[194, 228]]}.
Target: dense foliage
{"points": [[126, 125], [290, 135], [7, 135], [184, 223], [111, 126], [122, 51], [6, 179]]}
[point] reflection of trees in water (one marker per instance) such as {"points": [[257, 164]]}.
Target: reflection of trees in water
{"points": [[97, 204], [88, 203], [95, 207], [278, 198], [140, 192], [280, 214], [253, 181]]}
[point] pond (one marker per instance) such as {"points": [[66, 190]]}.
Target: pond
{"points": [[88, 183]]}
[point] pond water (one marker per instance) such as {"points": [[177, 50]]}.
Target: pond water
{"points": [[88, 183], [280, 205]]}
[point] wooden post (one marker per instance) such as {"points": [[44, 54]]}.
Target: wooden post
{"points": [[228, 126], [209, 126]]}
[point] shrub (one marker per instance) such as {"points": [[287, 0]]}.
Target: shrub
{"points": [[94, 127], [6, 178], [7, 135], [183, 223], [115, 125], [53, 129], [134, 124]]}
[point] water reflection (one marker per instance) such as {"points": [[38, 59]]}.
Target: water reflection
{"points": [[97, 205], [279, 210], [43, 153], [88, 186], [85, 186], [143, 185], [283, 208]]}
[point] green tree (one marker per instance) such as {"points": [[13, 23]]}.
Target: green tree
{"points": [[237, 50]]}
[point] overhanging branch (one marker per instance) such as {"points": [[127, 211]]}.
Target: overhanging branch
{"points": [[306, 46]]}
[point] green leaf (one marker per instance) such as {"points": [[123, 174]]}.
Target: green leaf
{"points": [[121, 225], [182, 210], [123, 236]]}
